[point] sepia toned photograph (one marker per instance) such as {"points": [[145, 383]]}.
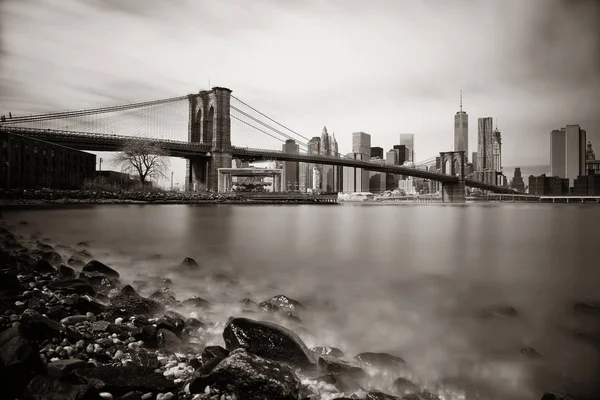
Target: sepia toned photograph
{"points": [[299, 200]]}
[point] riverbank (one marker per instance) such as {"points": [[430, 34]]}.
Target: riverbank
{"points": [[23, 197]]}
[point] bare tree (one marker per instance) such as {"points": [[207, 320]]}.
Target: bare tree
{"points": [[143, 158]]}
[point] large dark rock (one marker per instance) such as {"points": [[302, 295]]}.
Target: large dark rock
{"points": [[167, 340], [189, 263], [66, 272], [35, 326], [85, 304], [42, 266], [9, 282], [72, 286], [97, 266], [102, 284], [121, 380], [53, 258], [342, 366], [131, 303], [47, 388], [284, 304], [267, 340], [172, 321], [197, 302], [61, 368], [19, 362], [165, 296], [211, 357], [327, 351], [76, 262], [249, 377], [403, 387], [380, 360]]}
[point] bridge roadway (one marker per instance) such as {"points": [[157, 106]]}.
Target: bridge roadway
{"points": [[104, 142]]}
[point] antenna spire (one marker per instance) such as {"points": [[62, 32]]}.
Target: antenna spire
{"points": [[461, 101]]}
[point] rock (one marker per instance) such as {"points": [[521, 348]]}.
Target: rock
{"points": [[122, 380], [378, 395], [327, 351], [380, 360], [144, 358], [97, 266], [403, 386], [172, 321], [72, 286], [341, 366], [34, 326], [83, 244], [19, 362], [282, 303], [132, 396], [189, 263], [249, 377], [530, 352], [164, 296], [267, 340], [47, 388], [147, 334], [167, 340], [193, 323], [211, 357], [132, 303], [43, 267], [61, 368], [66, 272], [9, 282], [73, 319], [555, 396], [499, 311], [105, 396], [85, 304], [76, 262], [53, 258], [196, 301]]}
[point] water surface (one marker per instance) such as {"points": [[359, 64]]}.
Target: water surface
{"points": [[405, 279]]}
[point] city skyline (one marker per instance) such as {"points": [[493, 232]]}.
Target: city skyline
{"points": [[528, 93]]}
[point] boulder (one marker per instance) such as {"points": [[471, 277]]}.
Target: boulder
{"points": [[165, 296], [172, 321], [189, 263], [97, 266], [48, 388], [131, 303], [35, 326], [61, 368], [327, 351], [211, 357], [66, 272], [284, 304], [380, 360], [341, 366], [121, 380], [76, 262], [403, 387], [197, 302], [53, 258], [42, 266], [167, 340], [267, 340], [249, 377], [19, 362], [72, 286], [85, 304]]}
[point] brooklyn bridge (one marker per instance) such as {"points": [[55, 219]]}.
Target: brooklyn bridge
{"points": [[210, 129]]}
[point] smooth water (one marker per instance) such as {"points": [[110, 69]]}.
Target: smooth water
{"points": [[406, 279]]}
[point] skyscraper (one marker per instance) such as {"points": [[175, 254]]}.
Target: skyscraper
{"points": [[497, 150], [408, 140], [568, 153], [290, 168], [361, 143], [517, 181], [461, 130], [485, 152]]}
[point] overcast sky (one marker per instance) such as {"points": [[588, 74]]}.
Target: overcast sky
{"points": [[384, 67]]}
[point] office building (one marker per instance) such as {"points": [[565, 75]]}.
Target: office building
{"points": [[497, 151], [587, 185], [361, 143], [548, 185], [484, 144], [356, 179], [404, 153], [461, 130], [377, 152], [291, 173], [589, 153], [568, 152], [408, 140], [474, 160], [517, 181]]}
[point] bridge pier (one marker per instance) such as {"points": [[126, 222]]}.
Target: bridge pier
{"points": [[197, 170], [453, 192]]}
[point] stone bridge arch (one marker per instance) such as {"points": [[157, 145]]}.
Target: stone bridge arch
{"points": [[453, 163], [209, 123]]}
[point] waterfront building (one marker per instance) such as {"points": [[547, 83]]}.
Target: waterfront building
{"points": [[461, 129], [291, 176], [587, 185], [568, 152], [548, 185], [517, 181]]}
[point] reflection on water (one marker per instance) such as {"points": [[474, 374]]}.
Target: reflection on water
{"points": [[405, 279]]}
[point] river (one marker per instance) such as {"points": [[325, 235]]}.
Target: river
{"points": [[406, 279]]}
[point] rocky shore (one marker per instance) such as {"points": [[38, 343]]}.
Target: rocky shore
{"points": [[72, 330], [23, 197]]}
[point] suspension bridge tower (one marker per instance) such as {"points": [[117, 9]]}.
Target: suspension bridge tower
{"points": [[209, 123], [453, 163]]}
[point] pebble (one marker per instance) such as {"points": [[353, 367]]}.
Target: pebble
{"points": [[118, 321], [106, 395], [80, 344], [119, 355], [19, 303], [147, 396], [164, 396], [89, 349]]}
